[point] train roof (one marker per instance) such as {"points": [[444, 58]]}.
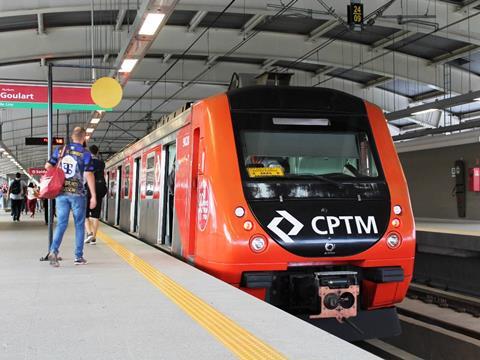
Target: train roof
{"points": [[294, 98]]}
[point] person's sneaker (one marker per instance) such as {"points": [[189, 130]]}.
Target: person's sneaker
{"points": [[93, 241], [89, 238], [80, 261], [53, 258]]}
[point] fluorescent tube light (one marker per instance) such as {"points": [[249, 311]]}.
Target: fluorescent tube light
{"points": [[151, 24], [128, 65], [424, 111], [90, 130], [95, 120], [477, 99]]}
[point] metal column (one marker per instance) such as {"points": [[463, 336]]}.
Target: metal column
{"points": [[50, 132]]}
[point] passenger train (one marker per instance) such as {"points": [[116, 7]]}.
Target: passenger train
{"points": [[292, 194]]}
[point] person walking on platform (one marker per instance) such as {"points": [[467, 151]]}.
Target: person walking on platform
{"points": [[93, 215], [76, 163], [31, 199], [16, 191]]}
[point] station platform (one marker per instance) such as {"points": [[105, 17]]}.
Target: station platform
{"points": [[448, 226], [447, 254], [132, 301]]}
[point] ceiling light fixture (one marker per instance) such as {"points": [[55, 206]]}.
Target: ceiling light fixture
{"points": [[424, 111], [477, 99], [128, 65], [95, 120], [90, 130], [151, 24]]}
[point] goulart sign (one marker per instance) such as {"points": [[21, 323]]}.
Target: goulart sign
{"points": [[33, 96]]}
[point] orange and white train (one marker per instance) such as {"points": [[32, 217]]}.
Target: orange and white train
{"points": [[293, 194]]}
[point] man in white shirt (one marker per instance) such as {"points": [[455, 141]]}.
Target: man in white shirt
{"points": [[16, 193]]}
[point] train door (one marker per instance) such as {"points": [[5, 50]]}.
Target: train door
{"points": [[168, 198], [135, 196], [105, 203], [112, 196], [197, 190], [118, 196]]}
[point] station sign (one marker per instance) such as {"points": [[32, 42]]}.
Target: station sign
{"points": [[44, 141], [37, 171], [35, 96]]}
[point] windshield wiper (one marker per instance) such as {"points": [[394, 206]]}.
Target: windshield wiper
{"points": [[320, 177]]}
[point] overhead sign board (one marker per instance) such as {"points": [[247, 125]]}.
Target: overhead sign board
{"points": [[34, 96], [43, 141], [355, 15], [37, 171]]}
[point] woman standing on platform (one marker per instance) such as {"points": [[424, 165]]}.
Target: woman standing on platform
{"points": [[31, 199]]}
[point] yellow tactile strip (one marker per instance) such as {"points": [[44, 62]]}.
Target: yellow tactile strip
{"points": [[238, 340]]}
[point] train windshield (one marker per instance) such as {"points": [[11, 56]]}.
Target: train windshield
{"points": [[296, 153]]}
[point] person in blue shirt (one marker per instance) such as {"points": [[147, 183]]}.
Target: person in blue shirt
{"points": [[77, 165]]}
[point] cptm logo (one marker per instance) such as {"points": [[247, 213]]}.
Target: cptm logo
{"points": [[297, 226], [323, 225]]}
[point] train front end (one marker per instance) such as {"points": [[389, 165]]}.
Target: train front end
{"points": [[311, 211]]}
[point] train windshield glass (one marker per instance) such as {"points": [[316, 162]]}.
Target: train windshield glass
{"points": [[300, 153]]}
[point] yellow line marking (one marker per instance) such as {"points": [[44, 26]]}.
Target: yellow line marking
{"points": [[238, 340]]}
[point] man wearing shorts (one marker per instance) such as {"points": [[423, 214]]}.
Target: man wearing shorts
{"points": [[92, 216]]}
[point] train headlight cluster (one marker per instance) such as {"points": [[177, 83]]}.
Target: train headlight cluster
{"points": [[397, 209], [393, 240], [258, 243]]}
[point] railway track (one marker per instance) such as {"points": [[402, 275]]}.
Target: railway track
{"points": [[430, 330], [445, 299]]}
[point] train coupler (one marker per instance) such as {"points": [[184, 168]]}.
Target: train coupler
{"points": [[338, 293]]}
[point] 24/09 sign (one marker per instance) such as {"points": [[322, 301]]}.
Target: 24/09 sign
{"points": [[36, 97]]}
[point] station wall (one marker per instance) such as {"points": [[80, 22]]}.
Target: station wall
{"points": [[431, 183]]}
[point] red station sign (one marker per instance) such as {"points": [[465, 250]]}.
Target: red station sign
{"points": [[36, 97], [37, 171]]}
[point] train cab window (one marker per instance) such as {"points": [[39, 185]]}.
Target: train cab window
{"points": [[288, 154], [150, 175], [126, 188]]}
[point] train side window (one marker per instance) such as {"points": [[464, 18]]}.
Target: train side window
{"points": [[127, 182], [150, 175], [113, 185]]}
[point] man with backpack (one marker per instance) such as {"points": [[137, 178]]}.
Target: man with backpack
{"points": [[16, 192], [76, 163], [93, 215]]}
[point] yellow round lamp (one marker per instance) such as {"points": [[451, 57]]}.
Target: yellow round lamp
{"points": [[106, 92]]}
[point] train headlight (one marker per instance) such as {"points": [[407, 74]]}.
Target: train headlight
{"points": [[248, 225], [258, 243], [397, 209], [396, 223], [393, 240], [239, 212]]}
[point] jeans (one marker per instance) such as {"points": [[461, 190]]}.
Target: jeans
{"points": [[16, 208], [77, 204]]}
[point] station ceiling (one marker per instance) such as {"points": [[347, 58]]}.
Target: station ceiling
{"points": [[409, 53]]}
